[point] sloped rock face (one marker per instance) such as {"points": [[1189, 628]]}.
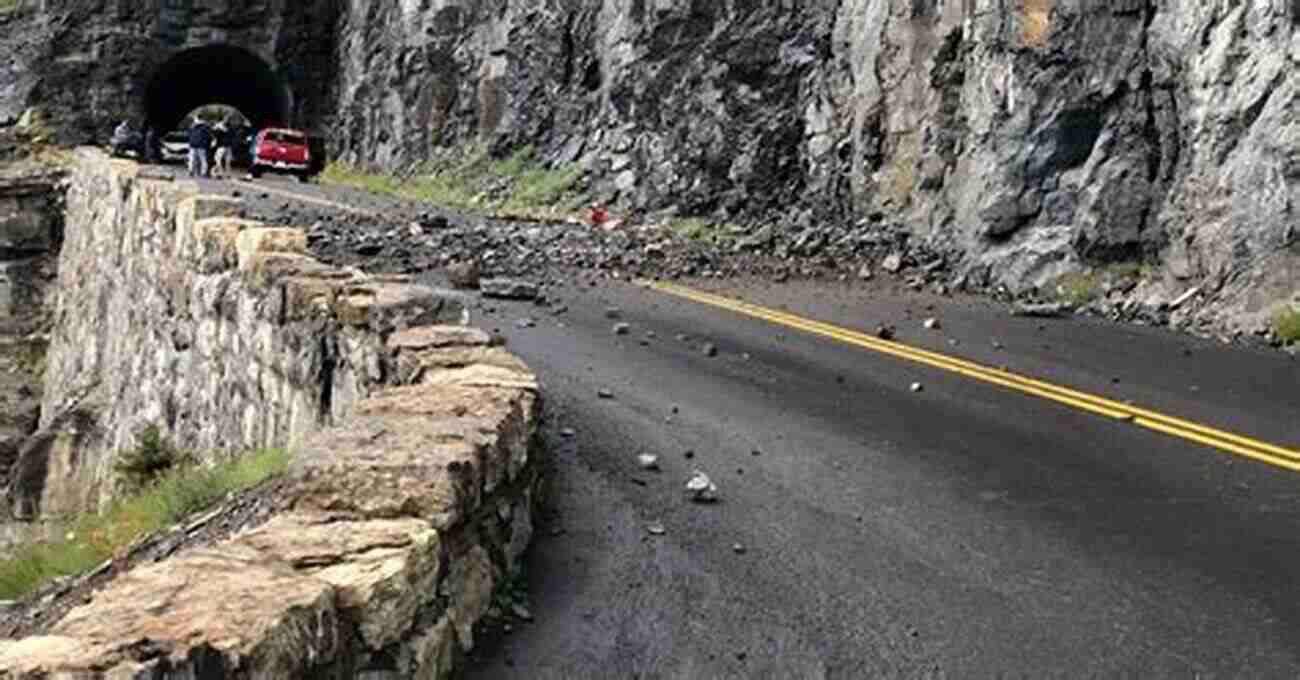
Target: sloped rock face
{"points": [[402, 522], [1019, 140]]}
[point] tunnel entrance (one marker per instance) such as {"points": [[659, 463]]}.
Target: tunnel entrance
{"points": [[221, 74]]}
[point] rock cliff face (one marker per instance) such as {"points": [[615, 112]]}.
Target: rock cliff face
{"points": [[31, 232], [1018, 139], [87, 64]]}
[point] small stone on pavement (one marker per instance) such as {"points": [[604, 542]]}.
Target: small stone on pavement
{"points": [[702, 489]]}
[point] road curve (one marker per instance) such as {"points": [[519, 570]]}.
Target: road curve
{"points": [[867, 530]]}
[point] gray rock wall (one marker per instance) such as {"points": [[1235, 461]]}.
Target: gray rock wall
{"points": [[87, 64], [31, 231], [1018, 139]]}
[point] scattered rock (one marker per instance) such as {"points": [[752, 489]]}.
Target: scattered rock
{"points": [[521, 612], [647, 461], [605, 393], [738, 549], [931, 324], [689, 455], [622, 329], [885, 332], [1182, 299], [917, 387], [892, 263], [709, 350], [997, 345], [1043, 310], [464, 275], [755, 452], [525, 323], [865, 272], [568, 433], [701, 488], [613, 313], [656, 529], [508, 289]]}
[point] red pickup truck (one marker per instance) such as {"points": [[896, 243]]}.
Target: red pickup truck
{"points": [[282, 150]]}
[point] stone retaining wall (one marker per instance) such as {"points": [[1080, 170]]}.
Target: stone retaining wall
{"points": [[411, 494], [171, 310], [404, 520]]}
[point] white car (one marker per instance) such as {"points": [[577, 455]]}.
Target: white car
{"points": [[175, 147]]}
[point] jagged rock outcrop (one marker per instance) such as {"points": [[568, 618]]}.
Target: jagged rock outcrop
{"points": [[1019, 140], [1016, 140], [86, 66]]}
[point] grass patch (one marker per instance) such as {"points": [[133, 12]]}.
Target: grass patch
{"points": [[174, 494], [1083, 287], [1077, 288], [701, 230], [1128, 270], [518, 185], [1286, 325]]}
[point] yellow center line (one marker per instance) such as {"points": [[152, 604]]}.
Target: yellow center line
{"points": [[1254, 449], [306, 199]]}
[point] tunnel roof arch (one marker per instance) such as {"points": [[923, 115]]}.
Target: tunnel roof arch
{"points": [[217, 74]]}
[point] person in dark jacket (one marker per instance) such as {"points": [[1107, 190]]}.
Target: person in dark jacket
{"points": [[200, 141], [150, 145]]}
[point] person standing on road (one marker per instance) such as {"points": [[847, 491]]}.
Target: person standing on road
{"points": [[200, 140], [150, 145], [224, 146]]}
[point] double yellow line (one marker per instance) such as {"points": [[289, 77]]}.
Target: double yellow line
{"points": [[1226, 441]]}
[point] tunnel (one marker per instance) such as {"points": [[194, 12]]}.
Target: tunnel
{"points": [[217, 74]]}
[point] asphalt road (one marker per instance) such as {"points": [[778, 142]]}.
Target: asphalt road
{"points": [[962, 531], [866, 530]]}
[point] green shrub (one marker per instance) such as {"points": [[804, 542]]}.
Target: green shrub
{"points": [[91, 539], [1286, 326], [149, 460]]}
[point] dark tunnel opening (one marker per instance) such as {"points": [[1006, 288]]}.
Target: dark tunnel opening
{"points": [[217, 74]]}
